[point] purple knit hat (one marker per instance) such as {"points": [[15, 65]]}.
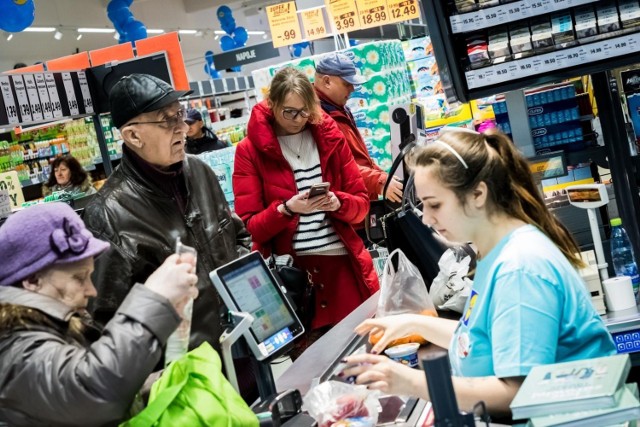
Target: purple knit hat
{"points": [[43, 235]]}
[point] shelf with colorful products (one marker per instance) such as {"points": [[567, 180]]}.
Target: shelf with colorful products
{"points": [[112, 137], [384, 63], [221, 161]]}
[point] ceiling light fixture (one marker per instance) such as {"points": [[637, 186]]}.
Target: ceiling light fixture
{"points": [[79, 37], [116, 36], [57, 35], [256, 33], [216, 37], [96, 30], [264, 36], [39, 29], [187, 31], [9, 37], [155, 31]]}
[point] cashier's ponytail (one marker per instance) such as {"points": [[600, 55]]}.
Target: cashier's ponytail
{"points": [[466, 158]]}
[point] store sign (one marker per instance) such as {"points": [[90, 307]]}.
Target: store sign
{"points": [[5, 204], [313, 24], [54, 97], [403, 10], [284, 24], [10, 183], [71, 94], [34, 99], [245, 55], [23, 100], [9, 104], [373, 13], [45, 101], [344, 15], [86, 93]]}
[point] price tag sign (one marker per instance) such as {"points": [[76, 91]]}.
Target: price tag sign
{"points": [[313, 24], [56, 105], [403, 10], [373, 13], [10, 183], [34, 99], [23, 100], [9, 104], [343, 14], [45, 102], [86, 93], [284, 24], [71, 94], [5, 204]]}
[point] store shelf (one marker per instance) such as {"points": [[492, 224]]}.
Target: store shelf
{"points": [[114, 157], [215, 87], [510, 12], [553, 61]]}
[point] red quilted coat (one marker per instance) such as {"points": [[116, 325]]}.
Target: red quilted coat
{"points": [[262, 179]]}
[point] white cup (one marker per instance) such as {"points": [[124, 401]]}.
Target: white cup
{"points": [[618, 293]]}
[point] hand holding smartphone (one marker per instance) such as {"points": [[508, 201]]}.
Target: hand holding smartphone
{"points": [[318, 189]]}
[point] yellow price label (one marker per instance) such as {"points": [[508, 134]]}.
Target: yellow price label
{"points": [[284, 24], [373, 13], [403, 10], [313, 24], [343, 14]]}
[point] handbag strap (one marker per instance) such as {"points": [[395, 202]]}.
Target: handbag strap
{"points": [[395, 165]]}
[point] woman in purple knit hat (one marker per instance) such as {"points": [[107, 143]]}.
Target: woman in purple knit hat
{"points": [[56, 367]]}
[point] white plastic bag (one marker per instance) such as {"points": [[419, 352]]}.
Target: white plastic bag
{"points": [[451, 287], [403, 290], [333, 401]]}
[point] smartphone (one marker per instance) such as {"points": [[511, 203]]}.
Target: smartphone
{"points": [[318, 189]]}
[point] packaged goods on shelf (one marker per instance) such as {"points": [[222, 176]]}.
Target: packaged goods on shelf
{"points": [[221, 161], [629, 13]]}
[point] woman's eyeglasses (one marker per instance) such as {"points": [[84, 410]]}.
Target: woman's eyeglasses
{"points": [[292, 114], [170, 122]]}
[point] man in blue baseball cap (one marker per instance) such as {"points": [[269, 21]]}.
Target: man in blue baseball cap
{"points": [[335, 80], [199, 137]]}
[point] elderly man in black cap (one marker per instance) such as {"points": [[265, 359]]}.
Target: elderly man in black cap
{"points": [[154, 196]]}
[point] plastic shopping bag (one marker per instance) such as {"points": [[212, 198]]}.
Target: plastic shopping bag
{"points": [[193, 392], [451, 287], [333, 403], [402, 290]]}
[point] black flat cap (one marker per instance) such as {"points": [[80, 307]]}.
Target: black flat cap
{"points": [[140, 93]]}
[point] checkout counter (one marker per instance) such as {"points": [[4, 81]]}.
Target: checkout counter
{"points": [[624, 326]]}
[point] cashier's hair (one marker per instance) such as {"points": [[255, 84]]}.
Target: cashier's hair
{"points": [[289, 80], [492, 157], [78, 174]]}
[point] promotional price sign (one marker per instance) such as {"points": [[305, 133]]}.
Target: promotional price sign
{"points": [[313, 24], [71, 94], [284, 24], [403, 10], [56, 105], [34, 99], [44, 96], [9, 103], [23, 100], [86, 93], [10, 183], [373, 13], [344, 15]]}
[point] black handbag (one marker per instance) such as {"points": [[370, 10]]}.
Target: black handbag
{"points": [[403, 229], [298, 285]]}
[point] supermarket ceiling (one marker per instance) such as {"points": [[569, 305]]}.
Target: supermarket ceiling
{"points": [[68, 15]]}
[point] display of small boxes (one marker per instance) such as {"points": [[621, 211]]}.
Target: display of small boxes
{"points": [[562, 28], [629, 13], [498, 42], [541, 32], [608, 19], [586, 23], [519, 38]]}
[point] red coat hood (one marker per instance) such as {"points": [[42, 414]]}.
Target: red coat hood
{"points": [[262, 135]]}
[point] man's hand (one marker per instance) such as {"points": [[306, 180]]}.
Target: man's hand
{"points": [[394, 191]]}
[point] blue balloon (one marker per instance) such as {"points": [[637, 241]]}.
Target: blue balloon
{"points": [[116, 4], [209, 70], [227, 43], [353, 42], [223, 11], [136, 31], [208, 55], [241, 36], [16, 17], [121, 18], [237, 68], [229, 27], [297, 51]]}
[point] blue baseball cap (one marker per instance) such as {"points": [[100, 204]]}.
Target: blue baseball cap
{"points": [[338, 64], [193, 115]]}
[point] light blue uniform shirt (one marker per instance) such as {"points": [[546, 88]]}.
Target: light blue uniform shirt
{"points": [[528, 307]]}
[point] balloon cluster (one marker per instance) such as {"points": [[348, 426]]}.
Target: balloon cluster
{"points": [[296, 49], [236, 36], [209, 68], [16, 15], [129, 29]]}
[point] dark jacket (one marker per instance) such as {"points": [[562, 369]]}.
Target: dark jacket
{"points": [[55, 372], [262, 179], [208, 142], [142, 223]]}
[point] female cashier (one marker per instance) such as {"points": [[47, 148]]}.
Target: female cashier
{"points": [[528, 305]]}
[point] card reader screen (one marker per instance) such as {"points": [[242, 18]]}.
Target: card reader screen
{"points": [[584, 195], [255, 293]]}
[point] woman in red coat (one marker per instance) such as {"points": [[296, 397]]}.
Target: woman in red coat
{"points": [[290, 145]]}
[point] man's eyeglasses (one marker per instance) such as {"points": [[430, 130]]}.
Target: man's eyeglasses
{"points": [[170, 122], [292, 114]]}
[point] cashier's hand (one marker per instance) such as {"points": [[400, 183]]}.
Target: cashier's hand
{"points": [[175, 280], [394, 191], [382, 373], [391, 328]]}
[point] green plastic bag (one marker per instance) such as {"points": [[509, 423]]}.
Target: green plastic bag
{"points": [[193, 392]]}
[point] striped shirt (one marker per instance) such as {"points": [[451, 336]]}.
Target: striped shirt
{"points": [[315, 234]]}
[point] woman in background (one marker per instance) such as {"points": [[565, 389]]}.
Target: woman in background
{"points": [[291, 145], [68, 175]]}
